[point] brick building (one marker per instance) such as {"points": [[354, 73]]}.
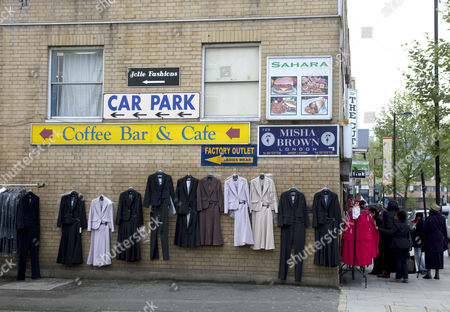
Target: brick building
{"points": [[104, 38]]}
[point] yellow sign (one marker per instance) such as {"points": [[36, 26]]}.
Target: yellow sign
{"points": [[188, 133], [230, 160]]}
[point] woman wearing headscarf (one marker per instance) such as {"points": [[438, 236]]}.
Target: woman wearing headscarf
{"points": [[435, 239]]}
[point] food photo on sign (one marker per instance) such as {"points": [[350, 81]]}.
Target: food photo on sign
{"points": [[283, 105], [315, 85], [313, 105], [284, 85]]}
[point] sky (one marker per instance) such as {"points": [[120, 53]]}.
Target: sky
{"points": [[378, 62]]}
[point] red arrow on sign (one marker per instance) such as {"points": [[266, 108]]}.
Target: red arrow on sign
{"points": [[234, 133], [46, 133]]}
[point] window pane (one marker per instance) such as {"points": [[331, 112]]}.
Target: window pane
{"points": [[231, 99], [231, 64], [77, 66], [77, 100]]}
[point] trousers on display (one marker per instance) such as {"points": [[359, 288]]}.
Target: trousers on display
{"points": [[163, 227], [293, 234], [28, 240]]}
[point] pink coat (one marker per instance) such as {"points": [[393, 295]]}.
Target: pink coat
{"points": [[236, 199]]}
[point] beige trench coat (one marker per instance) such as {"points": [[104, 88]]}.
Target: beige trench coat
{"points": [[263, 204]]}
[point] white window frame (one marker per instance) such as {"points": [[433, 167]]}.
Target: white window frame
{"points": [[230, 118], [49, 91]]}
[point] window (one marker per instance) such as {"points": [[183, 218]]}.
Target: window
{"points": [[76, 83], [231, 82]]}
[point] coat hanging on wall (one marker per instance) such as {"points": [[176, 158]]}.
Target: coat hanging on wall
{"points": [[129, 218], [326, 219], [209, 206], [187, 232], [71, 220], [263, 204], [293, 219], [236, 200], [160, 195], [28, 234], [100, 222]]}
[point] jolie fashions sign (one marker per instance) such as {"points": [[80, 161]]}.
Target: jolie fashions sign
{"points": [[298, 141], [153, 77], [299, 88]]}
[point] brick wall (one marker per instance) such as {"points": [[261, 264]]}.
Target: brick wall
{"points": [[112, 169]]}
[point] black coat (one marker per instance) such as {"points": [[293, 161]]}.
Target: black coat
{"points": [[71, 219], [327, 218], [129, 218], [187, 234], [400, 235], [290, 213]]}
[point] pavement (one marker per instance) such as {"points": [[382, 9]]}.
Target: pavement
{"points": [[161, 296], [381, 294]]}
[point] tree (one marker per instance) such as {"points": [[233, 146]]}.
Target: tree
{"points": [[413, 140], [426, 91]]}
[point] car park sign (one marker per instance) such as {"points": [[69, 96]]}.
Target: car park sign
{"points": [[151, 106]]}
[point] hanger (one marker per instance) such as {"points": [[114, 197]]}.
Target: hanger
{"points": [[73, 193], [262, 176], [235, 176], [101, 197], [293, 188]]}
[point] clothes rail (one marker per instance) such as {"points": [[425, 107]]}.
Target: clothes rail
{"points": [[38, 185]]}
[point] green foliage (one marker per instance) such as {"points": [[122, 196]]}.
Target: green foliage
{"points": [[413, 140], [411, 204]]}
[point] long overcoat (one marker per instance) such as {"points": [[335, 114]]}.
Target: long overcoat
{"points": [[263, 205], [237, 198], [209, 207], [187, 232], [71, 220], [327, 218], [100, 223], [129, 218]]}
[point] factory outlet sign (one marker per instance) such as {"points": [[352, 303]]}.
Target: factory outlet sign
{"points": [[151, 106], [229, 155], [192, 133], [299, 88], [297, 141]]}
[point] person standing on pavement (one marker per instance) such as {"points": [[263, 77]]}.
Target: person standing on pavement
{"points": [[435, 239], [400, 244], [388, 262], [417, 236], [376, 213]]}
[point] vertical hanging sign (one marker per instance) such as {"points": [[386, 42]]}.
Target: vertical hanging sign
{"points": [[387, 161], [352, 105]]}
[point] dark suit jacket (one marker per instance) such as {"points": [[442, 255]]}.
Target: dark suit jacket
{"points": [[290, 213], [156, 194], [72, 213], [130, 209], [324, 212], [186, 203], [28, 211]]}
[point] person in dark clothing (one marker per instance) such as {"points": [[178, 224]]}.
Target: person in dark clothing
{"points": [[388, 259], [401, 244], [417, 236], [435, 241], [377, 262]]}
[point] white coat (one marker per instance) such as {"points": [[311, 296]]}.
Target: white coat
{"points": [[236, 199], [101, 216], [263, 205]]}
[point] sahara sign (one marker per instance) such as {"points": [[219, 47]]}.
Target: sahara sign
{"points": [[299, 88], [192, 133]]}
